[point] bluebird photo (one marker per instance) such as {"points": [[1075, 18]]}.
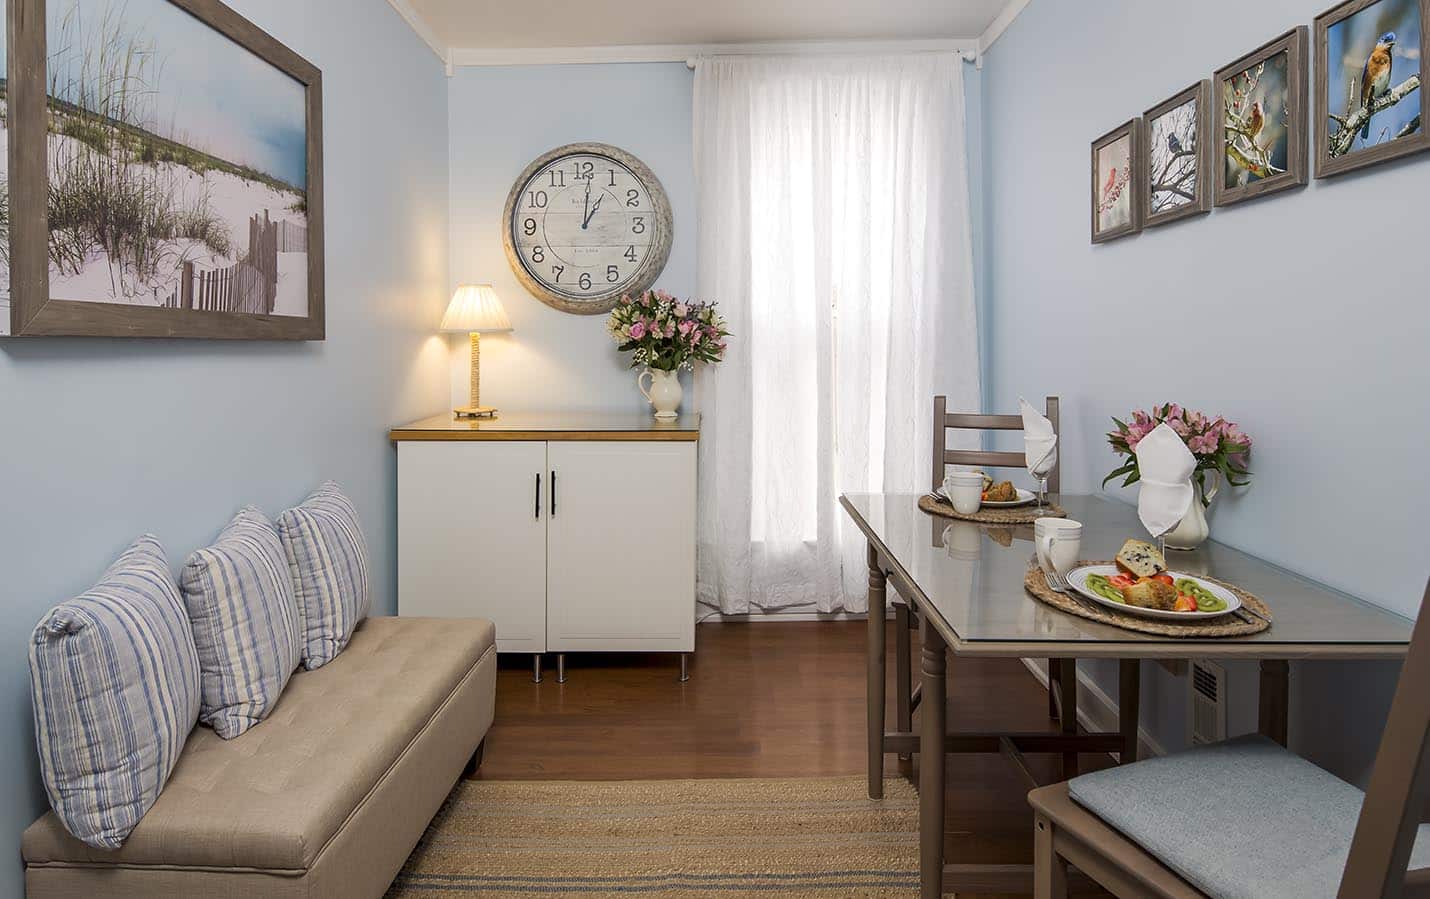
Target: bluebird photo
{"points": [[1373, 71], [1173, 158]]}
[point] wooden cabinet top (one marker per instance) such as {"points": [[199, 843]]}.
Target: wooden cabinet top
{"points": [[551, 426]]}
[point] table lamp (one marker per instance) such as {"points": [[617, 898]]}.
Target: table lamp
{"points": [[476, 310]]}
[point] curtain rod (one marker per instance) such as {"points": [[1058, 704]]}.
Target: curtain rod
{"points": [[691, 62]]}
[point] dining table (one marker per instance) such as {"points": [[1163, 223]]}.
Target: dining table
{"points": [[965, 584]]}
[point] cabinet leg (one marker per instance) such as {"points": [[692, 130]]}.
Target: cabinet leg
{"points": [[684, 667], [536, 668], [561, 667]]}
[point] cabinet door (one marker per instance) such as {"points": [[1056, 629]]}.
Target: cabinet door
{"points": [[471, 536], [621, 547]]}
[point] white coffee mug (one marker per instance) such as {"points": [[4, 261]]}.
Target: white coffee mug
{"points": [[965, 490], [1058, 542]]}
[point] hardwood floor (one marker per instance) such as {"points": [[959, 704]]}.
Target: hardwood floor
{"points": [[764, 700]]}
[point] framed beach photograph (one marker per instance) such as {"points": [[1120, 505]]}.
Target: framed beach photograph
{"points": [[1371, 69], [163, 174], [1260, 120], [1177, 141], [1115, 210]]}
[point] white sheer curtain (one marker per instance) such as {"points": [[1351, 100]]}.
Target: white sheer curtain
{"points": [[834, 232]]}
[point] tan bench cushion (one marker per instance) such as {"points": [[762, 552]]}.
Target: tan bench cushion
{"points": [[272, 798]]}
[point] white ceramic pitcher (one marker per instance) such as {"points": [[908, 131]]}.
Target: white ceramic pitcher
{"points": [[663, 393]]}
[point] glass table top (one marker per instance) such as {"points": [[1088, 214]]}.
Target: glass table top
{"points": [[971, 576]]}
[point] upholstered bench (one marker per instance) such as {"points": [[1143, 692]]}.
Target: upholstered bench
{"points": [[326, 797]]}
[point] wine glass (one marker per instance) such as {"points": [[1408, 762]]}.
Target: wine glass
{"points": [[1042, 467]]}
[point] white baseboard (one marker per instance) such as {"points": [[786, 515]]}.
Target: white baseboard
{"points": [[1096, 711]]}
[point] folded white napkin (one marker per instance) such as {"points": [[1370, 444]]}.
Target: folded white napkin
{"points": [[1166, 466], [1040, 444]]}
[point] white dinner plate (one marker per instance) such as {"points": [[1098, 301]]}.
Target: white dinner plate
{"points": [[1024, 497], [1078, 579]]}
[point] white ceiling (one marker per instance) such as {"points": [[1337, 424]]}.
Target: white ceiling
{"points": [[514, 24]]}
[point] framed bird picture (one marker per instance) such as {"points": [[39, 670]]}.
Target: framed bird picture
{"points": [[1371, 69], [1260, 120], [1177, 141], [1116, 162]]}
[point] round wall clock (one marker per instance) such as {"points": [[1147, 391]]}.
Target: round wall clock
{"points": [[585, 224]]}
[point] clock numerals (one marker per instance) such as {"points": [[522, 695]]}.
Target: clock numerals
{"points": [[613, 274], [557, 270], [538, 254], [536, 199], [558, 178], [528, 227], [613, 177], [633, 198], [585, 171], [637, 224], [584, 281], [630, 253]]}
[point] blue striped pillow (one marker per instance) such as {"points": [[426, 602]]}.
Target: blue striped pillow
{"points": [[114, 679], [327, 558], [245, 622]]}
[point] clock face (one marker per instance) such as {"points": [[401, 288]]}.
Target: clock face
{"points": [[586, 224]]}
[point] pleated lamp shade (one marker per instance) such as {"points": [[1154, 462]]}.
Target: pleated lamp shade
{"points": [[475, 308]]}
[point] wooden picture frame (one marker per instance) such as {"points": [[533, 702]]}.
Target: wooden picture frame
{"points": [[1335, 151], [36, 311], [1116, 185], [1292, 172], [1173, 172]]}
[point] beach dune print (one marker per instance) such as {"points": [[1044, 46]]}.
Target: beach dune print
{"points": [[1383, 40], [1257, 127], [1114, 174], [177, 164]]}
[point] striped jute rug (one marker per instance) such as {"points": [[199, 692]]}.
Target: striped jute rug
{"points": [[771, 838]]}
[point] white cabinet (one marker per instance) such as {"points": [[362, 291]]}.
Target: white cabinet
{"points": [[471, 541], [572, 534], [620, 547]]}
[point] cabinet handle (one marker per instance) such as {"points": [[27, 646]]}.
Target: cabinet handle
{"points": [[553, 493], [538, 495]]}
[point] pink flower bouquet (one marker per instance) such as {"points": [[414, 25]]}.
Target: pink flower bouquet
{"points": [[666, 333], [1218, 444]]}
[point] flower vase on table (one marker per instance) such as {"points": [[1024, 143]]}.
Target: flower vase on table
{"points": [[663, 394], [1219, 446], [665, 334]]}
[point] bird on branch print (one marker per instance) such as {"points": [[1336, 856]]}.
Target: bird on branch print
{"points": [[1375, 78]]}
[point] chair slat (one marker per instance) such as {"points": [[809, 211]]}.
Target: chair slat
{"points": [[970, 422], [984, 457]]}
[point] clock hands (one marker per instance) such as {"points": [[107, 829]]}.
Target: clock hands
{"points": [[590, 214]]}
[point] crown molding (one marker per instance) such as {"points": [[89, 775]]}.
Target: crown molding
{"points": [[424, 31], [688, 53], [1000, 24]]}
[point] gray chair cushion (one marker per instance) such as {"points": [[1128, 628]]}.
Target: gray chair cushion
{"points": [[1244, 818]]}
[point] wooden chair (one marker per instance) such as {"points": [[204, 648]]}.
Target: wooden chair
{"points": [[1375, 863], [1062, 701]]}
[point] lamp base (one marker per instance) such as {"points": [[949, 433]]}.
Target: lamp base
{"points": [[475, 412]]}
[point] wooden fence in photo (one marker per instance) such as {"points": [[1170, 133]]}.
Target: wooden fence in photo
{"points": [[249, 285]]}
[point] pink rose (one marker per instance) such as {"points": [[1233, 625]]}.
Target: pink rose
{"points": [[684, 328], [638, 330]]}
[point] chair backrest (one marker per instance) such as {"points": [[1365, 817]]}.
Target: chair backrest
{"points": [[1390, 815], [943, 420]]}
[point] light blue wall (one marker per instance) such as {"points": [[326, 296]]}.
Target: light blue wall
{"points": [[501, 118], [1302, 316], [106, 439]]}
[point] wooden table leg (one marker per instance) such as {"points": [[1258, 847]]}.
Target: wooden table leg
{"points": [[1067, 693], [903, 675], [931, 761], [1129, 697], [877, 610], [1275, 697]]}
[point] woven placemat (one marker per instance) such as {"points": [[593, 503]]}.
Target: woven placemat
{"points": [[1015, 515], [1226, 626]]}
